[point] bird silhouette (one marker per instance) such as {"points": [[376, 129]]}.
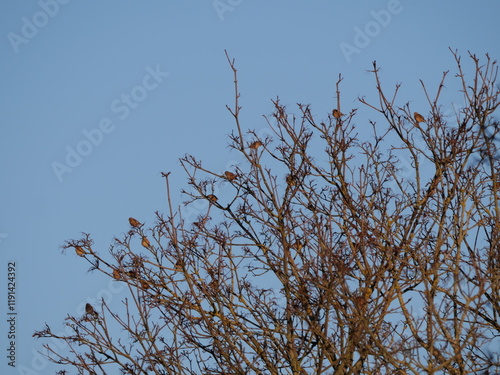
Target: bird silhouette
{"points": [[212, 198], [291, 180], [79, 251], [90, 310], [178, 265], [255, 145], [116, 274], [418, 117], [230, 176], [135, 223], [145, 242], [337, 114]]}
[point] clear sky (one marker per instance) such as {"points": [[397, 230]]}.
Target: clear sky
{"points": [[98, 97]]}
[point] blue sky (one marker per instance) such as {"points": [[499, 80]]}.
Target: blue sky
{"points": [[97, 98]]}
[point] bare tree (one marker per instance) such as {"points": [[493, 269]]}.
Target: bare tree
{"points": [[320, 254]]}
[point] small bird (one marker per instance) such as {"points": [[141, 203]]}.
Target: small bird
{"points": [[79, 251], [418, 117], [145, 242], [291, 180], [230, 176], [116, 274], [212, 198], [144, 284], [179, 265], [337, 114], [135, 223], [90, 310], [255, 145], [132, 274]]}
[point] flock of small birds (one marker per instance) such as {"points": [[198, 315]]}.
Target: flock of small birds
{"points": [[230, 176], [417, 116]]}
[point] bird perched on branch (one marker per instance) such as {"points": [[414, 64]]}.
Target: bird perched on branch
{"points": [[255, 145], [291, 180], [145, 242], [337, 114], [90, 310], [135, 223], [116, 274], [418, 117], [132, 274], [230, 176], [179, 265], [212, 198], [79, 251]]}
